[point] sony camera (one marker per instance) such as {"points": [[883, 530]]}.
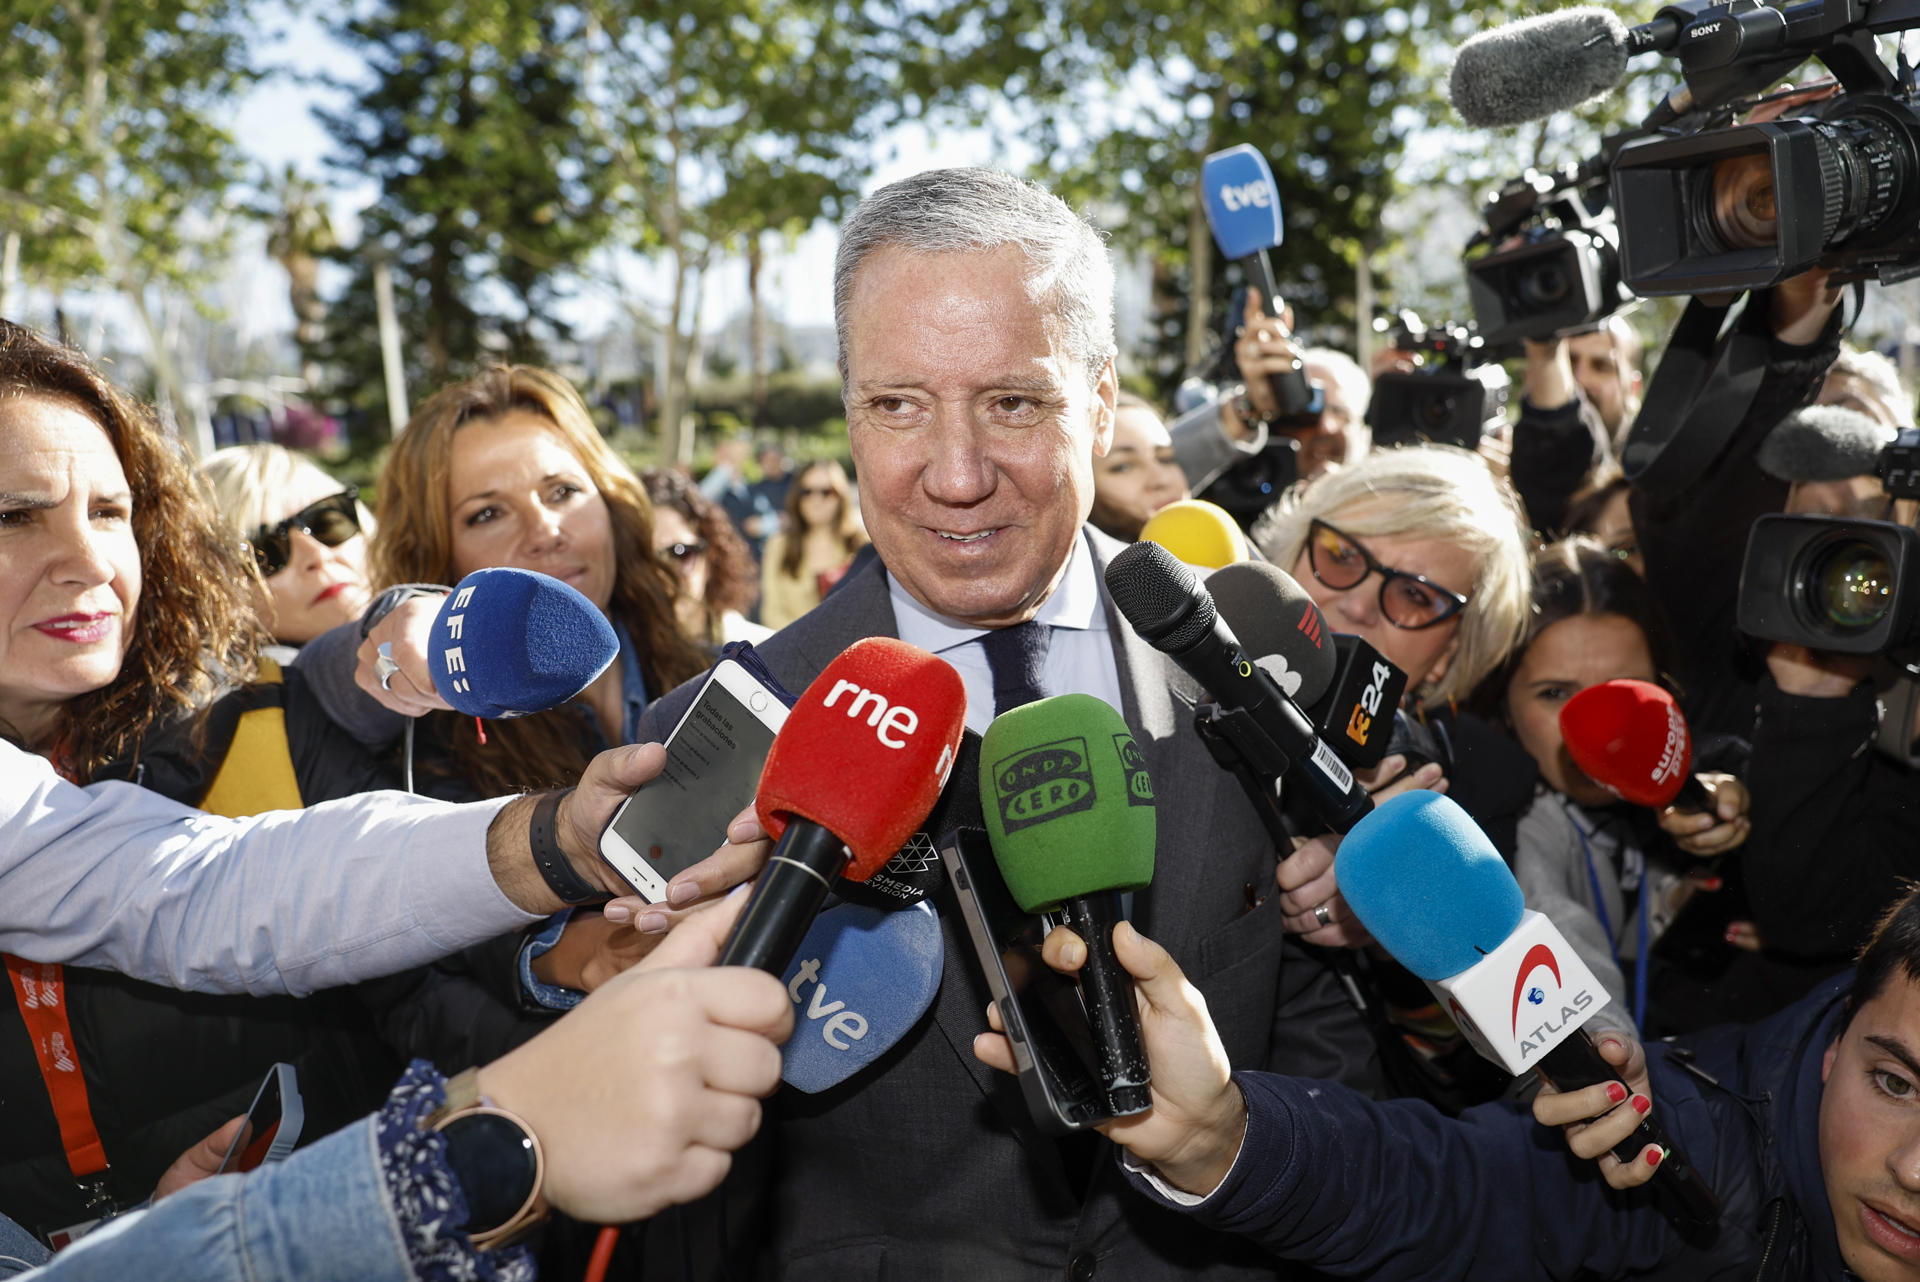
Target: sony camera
{"points": [[1447, 401], [1706, 205], [1831, 583], [1547, 262]]}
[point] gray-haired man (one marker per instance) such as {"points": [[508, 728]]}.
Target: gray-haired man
{"points": [[976, 335]]}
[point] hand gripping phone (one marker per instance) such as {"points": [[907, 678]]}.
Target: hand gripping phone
{"points": [[714, 759], [273, 1123], [1041, 1009]]}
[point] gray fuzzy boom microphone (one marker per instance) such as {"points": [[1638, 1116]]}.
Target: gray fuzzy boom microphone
{"points": [[1530, 69], [1824, 443]]}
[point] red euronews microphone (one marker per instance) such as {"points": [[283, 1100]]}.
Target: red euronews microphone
{"points": [[1631, 739], [852, 774]]}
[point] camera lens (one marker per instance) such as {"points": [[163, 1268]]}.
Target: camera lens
{"points": [[1741, 212], [1849, 585], [1547, 285]]}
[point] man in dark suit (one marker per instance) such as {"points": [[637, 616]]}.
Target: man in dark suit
{"points": [[976, 331]]}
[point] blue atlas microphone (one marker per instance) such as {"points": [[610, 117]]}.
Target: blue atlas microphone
{"points": [[510, 643], [860, 981], [1423, 878]]}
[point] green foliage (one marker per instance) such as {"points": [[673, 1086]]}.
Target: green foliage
{"points": [[99, 100], [471, 125]]}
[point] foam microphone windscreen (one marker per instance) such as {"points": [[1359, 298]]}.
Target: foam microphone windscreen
{"points": [[1197, 532], [1824, 443], [1069, 805], [1531, 69], [866, 750], [1631, 738], [1278, 625], [860, 981], [1426, 882], [509, 643]]}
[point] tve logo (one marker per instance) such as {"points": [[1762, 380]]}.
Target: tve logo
{"points": [[1242, 201], [885, 718], [860, 981]]}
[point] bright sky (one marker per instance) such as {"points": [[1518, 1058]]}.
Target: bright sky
{"points": [[275, 125]]}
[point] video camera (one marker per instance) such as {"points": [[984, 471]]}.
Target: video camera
{"points": [[1547, 262], [1708, 206], [1447, 401], [1829, 583]]}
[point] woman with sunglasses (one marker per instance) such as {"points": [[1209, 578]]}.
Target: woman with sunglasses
{"points": [[719, 581], [809, 555], [1422, 552], [305, 534], [128, 652]]}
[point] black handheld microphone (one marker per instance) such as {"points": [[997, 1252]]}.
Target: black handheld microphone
{"points": [[1168, 606]]}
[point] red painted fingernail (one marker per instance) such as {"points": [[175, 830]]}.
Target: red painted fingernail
{"points": [[1641, 1104], [1655, 1156], [1616, 1092], [1733, 935]]}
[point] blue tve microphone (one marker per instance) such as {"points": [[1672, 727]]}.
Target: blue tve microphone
{"points": [[859, 981], [509, 643], [1423, 878], [1243, 209]]}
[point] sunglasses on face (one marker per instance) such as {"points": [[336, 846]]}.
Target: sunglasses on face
{"points": [[331, 521], [684, 552], [1410, 601]]}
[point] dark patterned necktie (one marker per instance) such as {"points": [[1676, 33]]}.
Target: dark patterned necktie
{"points": [[1016, 656]]}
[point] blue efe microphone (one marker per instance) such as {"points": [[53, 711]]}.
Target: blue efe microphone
{"points": [[860, 980], [1428, 884], [509, 643]]}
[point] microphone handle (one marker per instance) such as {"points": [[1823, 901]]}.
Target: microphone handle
{"points": [[1107, 990], [786, 899], [1683, 1196], [1692, 796], [1217, 662]]}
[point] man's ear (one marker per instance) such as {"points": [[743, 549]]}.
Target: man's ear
{"points": [[1826, 1061], [1105, 393]]}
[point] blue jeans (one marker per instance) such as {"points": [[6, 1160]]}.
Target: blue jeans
{"points": [[320, 1216]]}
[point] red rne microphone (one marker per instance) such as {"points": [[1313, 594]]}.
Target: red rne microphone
{"points": [[853, 773], [1631, 739]]}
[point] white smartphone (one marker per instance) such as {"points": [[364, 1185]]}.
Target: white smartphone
{"points": [[714, 759]]}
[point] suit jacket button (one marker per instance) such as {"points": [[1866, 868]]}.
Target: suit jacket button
{"points": [[1080, 1267]]}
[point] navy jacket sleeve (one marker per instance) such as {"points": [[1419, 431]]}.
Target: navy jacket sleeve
{"points": [[1554, 451], [1396, 1190]]}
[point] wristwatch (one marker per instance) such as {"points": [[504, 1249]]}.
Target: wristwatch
{"points": [[497, 1160]]}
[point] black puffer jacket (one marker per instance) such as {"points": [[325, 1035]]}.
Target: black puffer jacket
{"points": [[164, 1069]]}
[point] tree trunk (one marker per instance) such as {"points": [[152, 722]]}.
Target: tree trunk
{"points": [[1199, 279], [756, 329], [109, 227]]}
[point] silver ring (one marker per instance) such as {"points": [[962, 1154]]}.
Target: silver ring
{"points": [[383, 664], [1321, 915]]}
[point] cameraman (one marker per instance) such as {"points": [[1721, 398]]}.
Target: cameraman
{"points": [[1833, 773], [1574, 395]]}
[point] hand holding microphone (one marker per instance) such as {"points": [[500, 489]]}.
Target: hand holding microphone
{"points": [[1631, 738], [1437, 896], [1069, 810], [853, 773]]}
